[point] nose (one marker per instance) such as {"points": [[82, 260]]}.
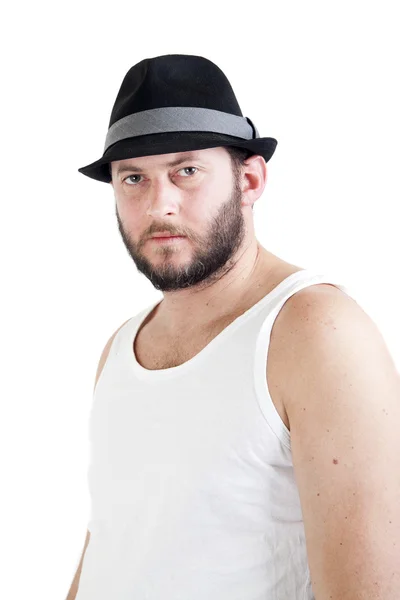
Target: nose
{"points": [[163, 197]]}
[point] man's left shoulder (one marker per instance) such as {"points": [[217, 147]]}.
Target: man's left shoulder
{"points": [[307, 305], [321, 320], [323, 290]]}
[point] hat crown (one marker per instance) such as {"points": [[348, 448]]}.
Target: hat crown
{"points": [[175, 103], [174, 80]]}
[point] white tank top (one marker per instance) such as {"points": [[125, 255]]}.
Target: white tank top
{"points": [[193, 494]]}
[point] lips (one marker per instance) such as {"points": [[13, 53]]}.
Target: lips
{"points": [[165, 235]]}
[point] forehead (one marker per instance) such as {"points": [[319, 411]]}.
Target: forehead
{"points": [[163, 160]]}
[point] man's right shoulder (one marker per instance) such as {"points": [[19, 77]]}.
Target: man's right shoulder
{"points": [[105, 353]]}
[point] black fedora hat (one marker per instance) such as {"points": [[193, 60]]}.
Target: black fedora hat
{"points": [[175, 103]]}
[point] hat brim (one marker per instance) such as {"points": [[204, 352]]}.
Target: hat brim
{"points": [[166, 143]]}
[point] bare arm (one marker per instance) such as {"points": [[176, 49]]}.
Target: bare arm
{"points": [[75, 583], [342, 395]]}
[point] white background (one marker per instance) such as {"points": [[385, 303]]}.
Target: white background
{"points": [[322, 78]]}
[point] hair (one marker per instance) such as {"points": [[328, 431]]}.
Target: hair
{"points": [[237, 155]]}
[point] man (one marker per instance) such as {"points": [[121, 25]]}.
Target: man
{"points": [[216, 473]]}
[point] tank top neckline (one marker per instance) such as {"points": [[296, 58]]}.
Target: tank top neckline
{"points": [[159, 374]]}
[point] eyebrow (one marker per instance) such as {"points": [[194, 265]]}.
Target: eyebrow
{"points": [[124, 168]]}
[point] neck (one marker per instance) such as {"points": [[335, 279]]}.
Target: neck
{"points": [[234, 289]]}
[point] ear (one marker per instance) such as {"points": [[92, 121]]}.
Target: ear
{"points": [[254, 179]]}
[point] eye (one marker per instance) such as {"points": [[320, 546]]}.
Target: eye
{"points": [[185, 168], [129, 176], [133, 184]]}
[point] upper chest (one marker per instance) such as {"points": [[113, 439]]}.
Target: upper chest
{"points": [[156, 351]]}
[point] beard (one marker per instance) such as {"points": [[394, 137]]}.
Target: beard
{"points": [[212, 255]]}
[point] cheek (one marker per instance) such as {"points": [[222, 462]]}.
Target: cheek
{"points": [[128, 208]]}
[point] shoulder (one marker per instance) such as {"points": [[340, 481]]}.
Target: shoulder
{"points": [[105, 352], [317, 296], [300, 311], [319, 327], [313, 314], [311, 308], [315, 308]]}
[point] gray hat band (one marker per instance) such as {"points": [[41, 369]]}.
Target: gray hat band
{"points": [[179, 118]]}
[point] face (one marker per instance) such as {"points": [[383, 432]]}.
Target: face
{"points": [[200, 198]]}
